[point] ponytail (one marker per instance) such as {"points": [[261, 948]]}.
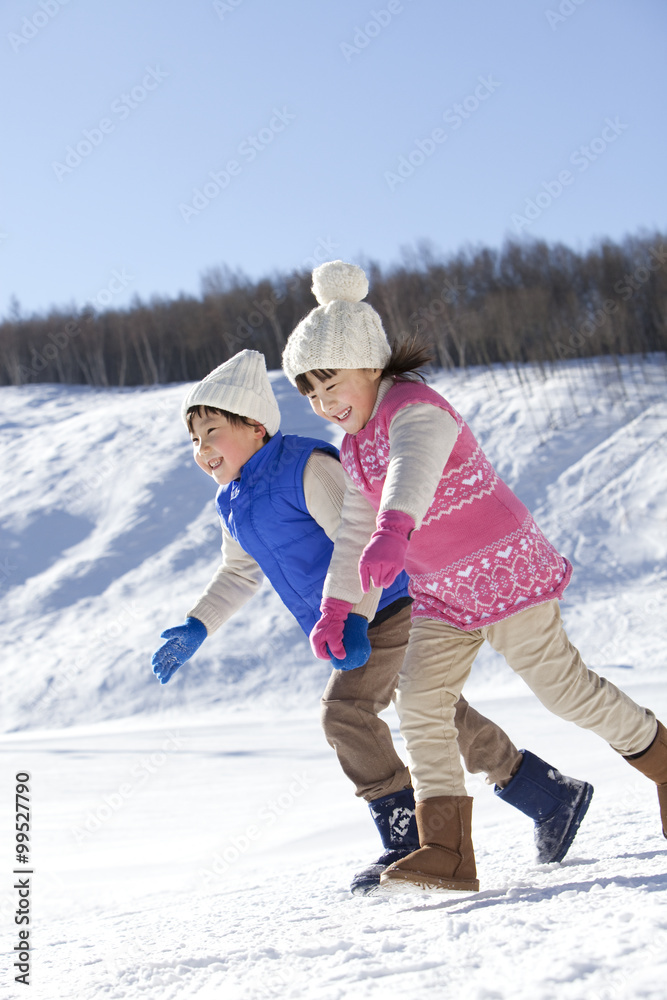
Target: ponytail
{"points": [[406, 359]]}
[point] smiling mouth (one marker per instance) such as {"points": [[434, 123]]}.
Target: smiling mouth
{"points": [[344, 415], [215, 463]]}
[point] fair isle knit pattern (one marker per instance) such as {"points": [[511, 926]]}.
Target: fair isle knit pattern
{"points": [[478, 556], [492, 583], [473, 479]]}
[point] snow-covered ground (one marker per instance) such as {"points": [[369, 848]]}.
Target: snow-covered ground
{"points": [[197, 840]]}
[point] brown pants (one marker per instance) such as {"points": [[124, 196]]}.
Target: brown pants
{"points": [[363, 742]]}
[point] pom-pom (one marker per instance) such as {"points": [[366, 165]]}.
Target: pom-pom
{"points": [[338, 280]]}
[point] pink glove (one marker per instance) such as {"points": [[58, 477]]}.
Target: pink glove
{"points": [[329, 630], [384, 556]]}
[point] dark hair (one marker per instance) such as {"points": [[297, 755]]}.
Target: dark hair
{"points": [[404, 363], [235, 419]]}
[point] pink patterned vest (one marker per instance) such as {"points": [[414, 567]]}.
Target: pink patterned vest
{"points": [[478, 556]]}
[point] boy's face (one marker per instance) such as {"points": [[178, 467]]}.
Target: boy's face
{"points": [[222, 449], [347, 398]]}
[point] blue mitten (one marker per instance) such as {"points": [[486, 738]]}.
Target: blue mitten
{"points": [[182, 642], [356, 643]]}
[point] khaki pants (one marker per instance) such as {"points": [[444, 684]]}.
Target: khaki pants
{"points": [[363, 742], [439, 658]]}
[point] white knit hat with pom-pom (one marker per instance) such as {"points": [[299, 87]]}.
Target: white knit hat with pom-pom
{"points": [[343, 331]]}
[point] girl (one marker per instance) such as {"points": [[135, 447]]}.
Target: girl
{"points": [[480, 568]]}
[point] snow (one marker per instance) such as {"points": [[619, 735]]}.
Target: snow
{"points": [[197, 840]]}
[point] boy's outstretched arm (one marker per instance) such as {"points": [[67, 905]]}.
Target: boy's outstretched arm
{"points": [[236, 580]]}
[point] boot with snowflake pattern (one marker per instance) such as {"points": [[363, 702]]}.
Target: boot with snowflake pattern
{"points": [[394, 816]]}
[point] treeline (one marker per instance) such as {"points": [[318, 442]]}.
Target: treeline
{"points": [[529, 301]]}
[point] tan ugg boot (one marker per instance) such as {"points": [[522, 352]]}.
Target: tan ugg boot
{"points": [[445, 862], [653, 763]]}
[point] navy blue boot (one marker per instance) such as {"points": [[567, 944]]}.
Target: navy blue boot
{"points": [[394, 817], [556, 803]]}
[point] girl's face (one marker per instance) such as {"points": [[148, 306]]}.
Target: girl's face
{"points": [[221, 449], [347, 398]]}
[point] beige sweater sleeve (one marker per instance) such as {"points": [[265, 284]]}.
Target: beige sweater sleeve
{"points": [[421, 439], [324, 486], [324, 489], [238, 577]]}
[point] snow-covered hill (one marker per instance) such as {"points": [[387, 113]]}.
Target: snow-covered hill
{"points": [[148, 881], [108, 534]]}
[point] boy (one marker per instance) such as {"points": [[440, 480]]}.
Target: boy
{"points": [[279, 501]]}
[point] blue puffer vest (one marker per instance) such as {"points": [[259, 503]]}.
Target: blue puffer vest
{"points": [[265, 511]]}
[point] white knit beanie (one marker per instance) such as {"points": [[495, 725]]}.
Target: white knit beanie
{"points": [[343, 331], [241, 386]]}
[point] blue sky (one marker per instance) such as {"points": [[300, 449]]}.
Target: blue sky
{"points": [[146, 143]]}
